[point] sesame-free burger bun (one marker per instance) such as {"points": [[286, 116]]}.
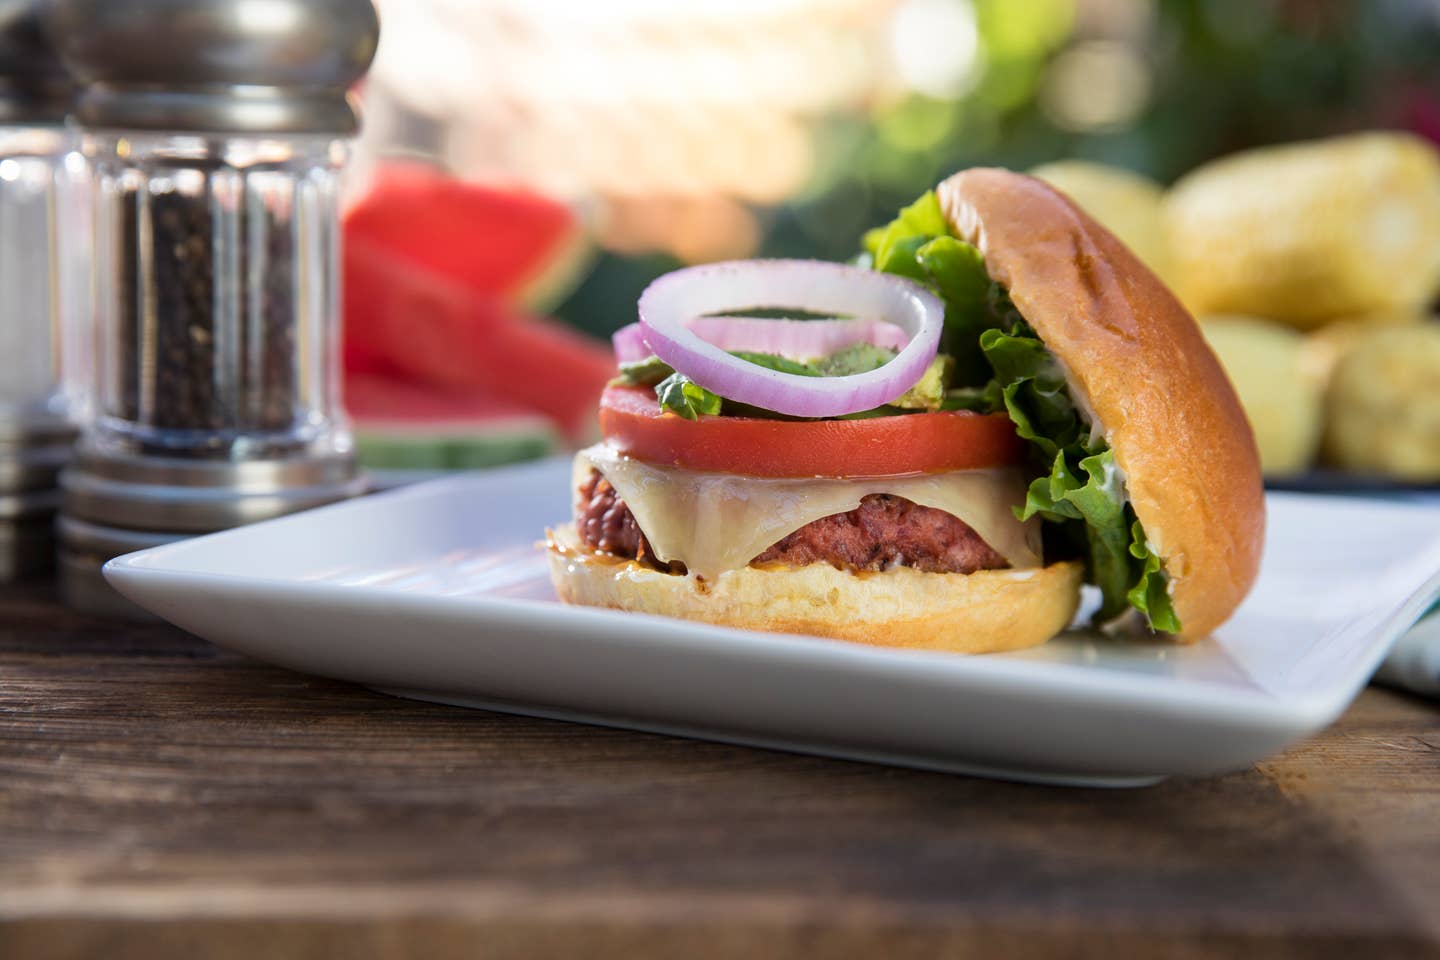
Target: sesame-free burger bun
{"points": [[981, 612], [1137, 364]]}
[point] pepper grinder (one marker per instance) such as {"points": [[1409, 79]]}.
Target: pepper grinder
{"points": [[216, 134], [39, 401]]}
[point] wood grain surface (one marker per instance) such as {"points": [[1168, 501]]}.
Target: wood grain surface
{"points": [[161, 798]]}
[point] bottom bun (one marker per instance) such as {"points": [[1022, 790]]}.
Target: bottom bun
{"points": [[981, 612]]}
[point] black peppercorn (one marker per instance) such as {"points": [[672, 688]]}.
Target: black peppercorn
{"points": [[208, 317]]}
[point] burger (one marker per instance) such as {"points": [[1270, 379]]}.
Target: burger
{"points": [[936, 446]]}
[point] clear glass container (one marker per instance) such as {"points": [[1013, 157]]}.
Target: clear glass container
{"points": [[217, 296], [43, 285]]}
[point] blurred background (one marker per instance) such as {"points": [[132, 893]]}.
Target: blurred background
{"points": [[586, 148]]}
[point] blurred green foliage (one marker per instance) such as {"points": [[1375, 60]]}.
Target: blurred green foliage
{"points": [[1223, 75]]}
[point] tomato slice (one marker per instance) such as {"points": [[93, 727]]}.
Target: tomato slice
{"points": [[631, 419]]}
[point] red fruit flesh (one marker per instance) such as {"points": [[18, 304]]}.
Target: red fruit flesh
{"points": [[406, 321], [496, 242]]}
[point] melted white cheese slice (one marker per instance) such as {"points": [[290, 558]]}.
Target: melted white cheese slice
{"points": [[713, 522]]}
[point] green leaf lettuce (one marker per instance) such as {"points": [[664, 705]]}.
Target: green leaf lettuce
{"points": [[684, 396], [999, 363]]}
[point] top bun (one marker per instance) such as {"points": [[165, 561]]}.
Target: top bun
{"points": [[1128, 205], [1140, 369]]}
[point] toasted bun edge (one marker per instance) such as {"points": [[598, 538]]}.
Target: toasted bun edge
{"points": [[983, 612], [1139, 367]]}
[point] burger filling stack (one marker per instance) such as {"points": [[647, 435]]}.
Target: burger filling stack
{"points": [[935, 447]]}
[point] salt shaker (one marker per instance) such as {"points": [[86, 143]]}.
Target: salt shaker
{"points": [[39, 397], [216, 133]]}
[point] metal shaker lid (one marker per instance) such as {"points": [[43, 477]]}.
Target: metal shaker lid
{"points": [[34, 87], [216, 66]]}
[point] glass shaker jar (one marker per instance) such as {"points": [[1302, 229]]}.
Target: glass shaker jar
{"points": [[41, 274], [216, 133]]}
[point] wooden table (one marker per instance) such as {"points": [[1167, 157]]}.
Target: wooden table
{"points": [[161, 798]]}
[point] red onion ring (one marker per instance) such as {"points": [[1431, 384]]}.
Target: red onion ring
{"points": [[629, 344], [671, 304], [796, 339]]}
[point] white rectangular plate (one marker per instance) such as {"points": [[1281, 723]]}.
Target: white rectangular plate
{"points": [[439, 591]]}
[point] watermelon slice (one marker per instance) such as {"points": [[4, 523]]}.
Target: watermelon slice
{"points": [[409, 323], [403, 426], [437, 274], [524, 248]]}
